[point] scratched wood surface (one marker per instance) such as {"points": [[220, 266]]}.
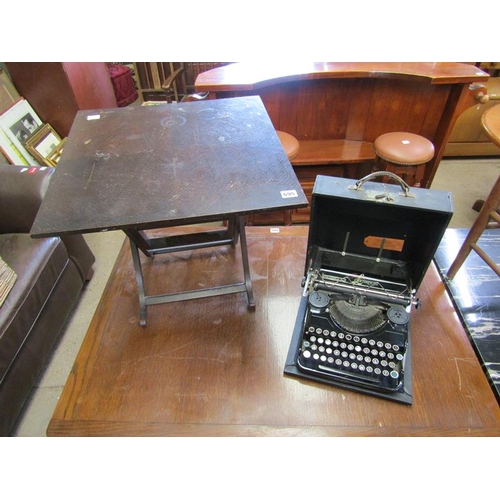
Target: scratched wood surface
{"points": [[155, 166], [211, 367]]}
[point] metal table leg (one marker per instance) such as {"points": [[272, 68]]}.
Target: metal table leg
{"points": [[153, 246]]}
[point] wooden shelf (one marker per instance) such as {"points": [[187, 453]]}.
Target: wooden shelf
{"points": [[332, 152]]}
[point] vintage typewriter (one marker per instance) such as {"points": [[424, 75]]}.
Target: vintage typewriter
{"points": [[369, 247]]}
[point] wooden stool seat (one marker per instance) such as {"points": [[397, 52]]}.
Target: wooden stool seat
{"points": [[289, 143], [488, 213], [403, 154]]}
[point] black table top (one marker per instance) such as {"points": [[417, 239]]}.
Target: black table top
{"points": [[165, 165]]}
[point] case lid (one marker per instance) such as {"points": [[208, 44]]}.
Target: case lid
{"points": [[388, 231]]}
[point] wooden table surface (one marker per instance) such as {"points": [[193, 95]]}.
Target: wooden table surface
{"points": [[172, 164], [211, 367]]}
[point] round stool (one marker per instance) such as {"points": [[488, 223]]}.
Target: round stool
{"points": [[289, 143], [403, 154]]}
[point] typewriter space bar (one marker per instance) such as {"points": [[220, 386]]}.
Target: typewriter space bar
{"points": [[340, 373]]}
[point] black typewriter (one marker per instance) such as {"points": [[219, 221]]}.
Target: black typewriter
{"points": [[365, 261], [356, 329]]}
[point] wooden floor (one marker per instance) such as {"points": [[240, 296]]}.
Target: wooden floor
{"points": [[211, 367]]}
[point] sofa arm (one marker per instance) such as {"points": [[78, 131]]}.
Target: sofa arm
{"points": [[80, 253], [21, 192]]}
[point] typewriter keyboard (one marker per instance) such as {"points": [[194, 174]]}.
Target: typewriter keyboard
{"points": [[373, 360]]}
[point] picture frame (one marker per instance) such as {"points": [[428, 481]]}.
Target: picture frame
{"points": [[10, 152], [45, 145], [18, 123], [53, 158]]}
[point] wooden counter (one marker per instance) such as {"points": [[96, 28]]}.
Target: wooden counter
{"points": [[337, 110]]}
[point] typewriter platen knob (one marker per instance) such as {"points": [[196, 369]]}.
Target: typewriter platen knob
{"points": [[398, 315], [319, 300]]}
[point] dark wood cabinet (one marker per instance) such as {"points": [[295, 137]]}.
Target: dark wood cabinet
{"points": [[58, 90]]}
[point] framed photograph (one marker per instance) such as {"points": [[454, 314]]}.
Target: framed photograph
{"points": [[45, 145], [19, 122], [10, 151]]}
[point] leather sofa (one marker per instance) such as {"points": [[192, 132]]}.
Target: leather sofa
{"points": [[51, 273]]}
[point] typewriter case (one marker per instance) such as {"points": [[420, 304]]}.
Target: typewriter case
{"points": [[369, 247]]}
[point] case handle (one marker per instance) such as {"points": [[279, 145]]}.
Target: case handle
{"points": [[405, 187]]}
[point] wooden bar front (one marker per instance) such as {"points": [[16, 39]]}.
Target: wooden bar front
{"points": [[337, 110], [211, 367]]}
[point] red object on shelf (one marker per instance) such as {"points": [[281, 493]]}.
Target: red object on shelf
{"points": [[123, 84]]}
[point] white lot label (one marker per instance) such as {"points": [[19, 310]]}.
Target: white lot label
{"points": [[291, 193]]}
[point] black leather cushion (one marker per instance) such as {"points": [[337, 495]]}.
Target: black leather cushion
{"points": [[21, 192], [38, 264]]}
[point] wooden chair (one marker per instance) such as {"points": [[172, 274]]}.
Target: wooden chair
{"points": [[488, 213], [170, 88]]}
